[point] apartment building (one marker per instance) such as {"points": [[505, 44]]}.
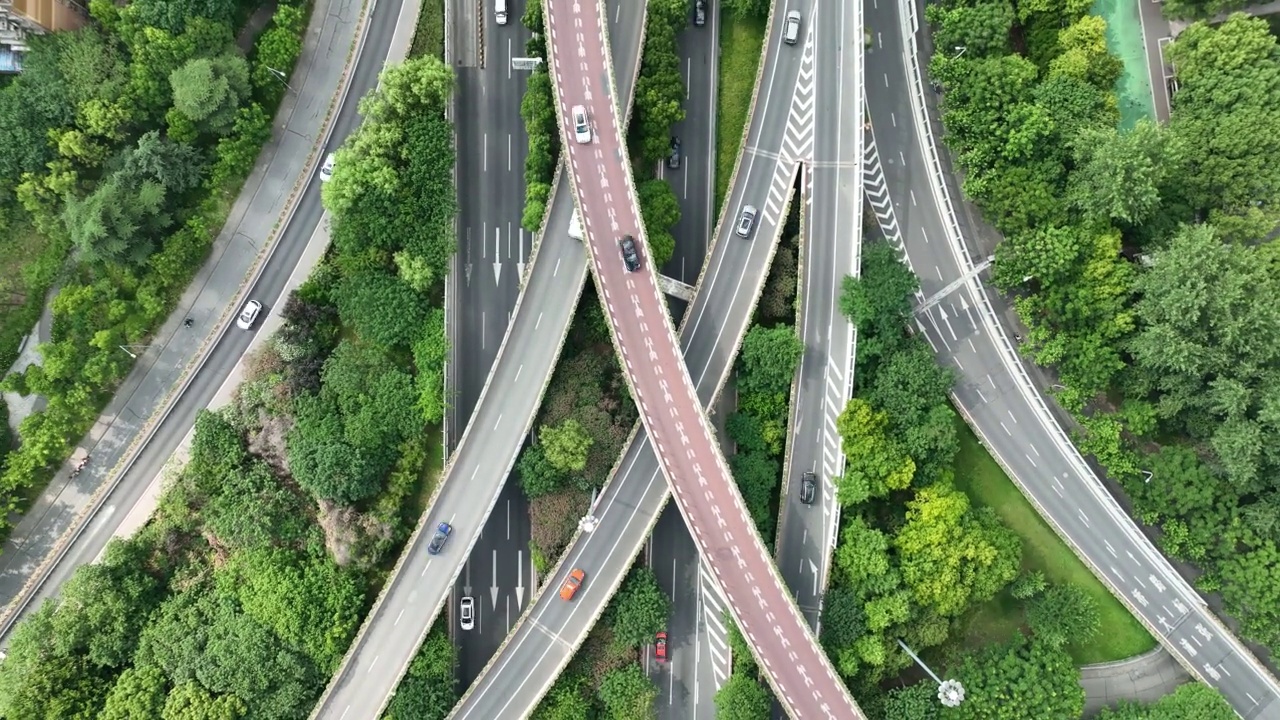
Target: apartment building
{"points": [[19, 19]]}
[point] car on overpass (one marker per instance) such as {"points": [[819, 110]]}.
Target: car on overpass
{"points": [[572, 583], [443, 531]]}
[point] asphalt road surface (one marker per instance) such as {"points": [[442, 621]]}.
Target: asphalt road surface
{"points": [[492, 249], [524, 668], [226, 354], [1010, 416], [475, 478], [831, 251], [697, 648]]}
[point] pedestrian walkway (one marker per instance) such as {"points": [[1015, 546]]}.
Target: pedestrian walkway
{"points": [[162, 366], [1125, 41], [1143, 678]]}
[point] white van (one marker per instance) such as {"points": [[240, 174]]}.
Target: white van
{"points": [[500, 11]]}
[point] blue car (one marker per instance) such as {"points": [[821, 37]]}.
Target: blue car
{"points": [[440, 538]]}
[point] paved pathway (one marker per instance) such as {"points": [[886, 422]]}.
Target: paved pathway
{"points": [[1143, 678], [297, 128]]}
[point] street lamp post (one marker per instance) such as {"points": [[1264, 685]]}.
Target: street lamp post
{"points": [[129, 350], [959, 51], [590, 521], [284, 80], [950, 692]]}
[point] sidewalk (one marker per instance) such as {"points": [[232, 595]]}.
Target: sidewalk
{"points": [[1143, 678], [146, 392]]}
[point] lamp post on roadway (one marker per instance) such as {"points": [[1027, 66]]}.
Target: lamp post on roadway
{"points": [[589, 521], [950, 692], [959, 51], [279, 74], [129, 349]]}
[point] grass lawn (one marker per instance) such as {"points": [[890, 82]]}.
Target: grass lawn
{"points": [[428, 37], [740, 44], [985, 482]]}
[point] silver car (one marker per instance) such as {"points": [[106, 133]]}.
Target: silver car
{"points": [[791, 31], [747, 221], [581, 126]]}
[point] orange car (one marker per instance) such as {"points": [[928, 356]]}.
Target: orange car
{"points": [[572, 583]]}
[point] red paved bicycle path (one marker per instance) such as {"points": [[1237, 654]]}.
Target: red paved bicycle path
{"points": [[805, 682]]}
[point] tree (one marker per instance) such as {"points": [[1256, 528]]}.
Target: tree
{"points": [[565, 700], [209, 91], [202, 636], [381, 308], [639, 610], [118, 222], [843, 625], [428, 691], [1224, 124], [189, 701], [756, 474], [1191, 701], [1028, 585], [430, 352], [660, 210], [538, 476], [1064, 614], [913, 702], [421, 84], [41, 683], [1084, 55], [566, 445], [878, 303], [1119, 174], [138, 693], [628, 693], [322, 461], [743, 698], [310, 603], [913, 391], [875, 463], [105, 605], [982, 28], [1208, 348], [1023, 679], [953, 558], [173, 16]]}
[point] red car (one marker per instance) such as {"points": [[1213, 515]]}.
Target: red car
{"points": [[660, 647]]}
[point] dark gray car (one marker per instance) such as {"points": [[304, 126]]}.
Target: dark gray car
{"points": [[808, 488], [630, 255]]}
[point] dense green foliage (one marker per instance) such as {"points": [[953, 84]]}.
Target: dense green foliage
{"points": [[239, 598], [582, 427], [660, 85], [1026, 679], [428, 690], [1193, 701], [744, 695], [122, 144], [541, 124], [1142, 262], [913, 554]]}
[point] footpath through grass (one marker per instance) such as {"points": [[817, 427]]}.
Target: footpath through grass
{"points": [[740, 43], [1121, 635]]}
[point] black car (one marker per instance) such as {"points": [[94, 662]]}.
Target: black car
{"points": [[808, 488], [700, 13], [673, 160], [630, 255]]}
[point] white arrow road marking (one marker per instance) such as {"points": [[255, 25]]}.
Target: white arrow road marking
{"points": [[520, 579]]}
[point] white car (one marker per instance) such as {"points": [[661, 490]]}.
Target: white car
{"points": [[467, 613], [248, 315], [326, 169], [581, 126]]}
